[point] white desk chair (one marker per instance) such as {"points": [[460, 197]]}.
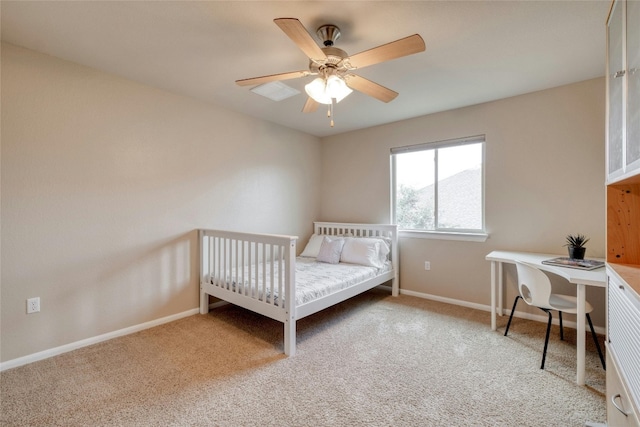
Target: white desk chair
{"points": [[535, 289]]}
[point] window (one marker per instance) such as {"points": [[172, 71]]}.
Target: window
{"points": [[439, 187]]}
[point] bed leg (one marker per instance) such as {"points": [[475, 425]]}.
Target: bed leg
{"points": [[204, 302], [395, 287], [290, 337]]}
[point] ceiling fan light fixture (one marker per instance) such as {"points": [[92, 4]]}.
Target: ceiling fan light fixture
{"points": [[317, 90], [337, 88], [323, 90]]}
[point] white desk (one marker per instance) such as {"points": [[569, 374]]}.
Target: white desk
{"points": [[580, 278]]}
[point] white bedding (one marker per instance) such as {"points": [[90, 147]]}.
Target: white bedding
{"points": [[313, 279]]}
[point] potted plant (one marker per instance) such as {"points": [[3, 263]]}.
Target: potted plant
{"points": [[575, 243]]}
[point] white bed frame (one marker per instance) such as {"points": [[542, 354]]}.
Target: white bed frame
{"points": [[223, 252]]}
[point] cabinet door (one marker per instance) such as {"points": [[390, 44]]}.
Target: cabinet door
{"points": [[633, 86], [623, 335], [620, 411], [615, 77]]}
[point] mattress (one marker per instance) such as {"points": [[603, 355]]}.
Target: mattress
{"points": [[313, 279]]}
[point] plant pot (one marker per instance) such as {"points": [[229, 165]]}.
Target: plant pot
{"points": [[576, 253]]}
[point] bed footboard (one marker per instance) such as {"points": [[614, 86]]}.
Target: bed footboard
{"points": [[254, 271]]}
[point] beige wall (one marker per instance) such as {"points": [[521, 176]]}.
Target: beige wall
{"points": [[104, 182], [544, 179]]}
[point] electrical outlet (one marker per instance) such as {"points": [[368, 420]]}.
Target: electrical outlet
{"points": [[427, 265], [33, 305]]}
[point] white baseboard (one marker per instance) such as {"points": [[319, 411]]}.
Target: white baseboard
{"points": [[14, 363], [446, 300], [482, 307]]}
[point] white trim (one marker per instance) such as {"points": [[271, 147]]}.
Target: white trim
{"points": [[439, 144], [446, 300], [443, 235], [45, 354], [482, 307]]}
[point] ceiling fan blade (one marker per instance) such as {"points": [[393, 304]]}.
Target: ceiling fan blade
{"points": [[301, 37], [370, 88], [310, 106], [272, 78], [397, 49]]}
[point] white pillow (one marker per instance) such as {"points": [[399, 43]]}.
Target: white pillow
{"points": [[330, 250], [313, 246], [365, 251]]}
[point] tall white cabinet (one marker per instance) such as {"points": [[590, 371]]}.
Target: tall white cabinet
{"points": [[623, 214]]}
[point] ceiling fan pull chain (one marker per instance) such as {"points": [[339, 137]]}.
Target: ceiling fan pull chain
{"points": [[330, 112]]}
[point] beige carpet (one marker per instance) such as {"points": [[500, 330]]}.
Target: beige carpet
{"points": [[372, 361]]}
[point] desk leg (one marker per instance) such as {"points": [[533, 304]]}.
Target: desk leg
{"points": [[496, 288], [493, 295], [580, 341], [500, 289]]}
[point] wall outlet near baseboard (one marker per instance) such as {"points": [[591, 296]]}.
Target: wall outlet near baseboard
{"points": [[427, 265], [33, 305]]}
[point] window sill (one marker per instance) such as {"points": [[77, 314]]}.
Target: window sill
{"points": [[443, 235]]}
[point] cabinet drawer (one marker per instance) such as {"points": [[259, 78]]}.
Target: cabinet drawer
{"points": [[624, 335], [620, 412]]}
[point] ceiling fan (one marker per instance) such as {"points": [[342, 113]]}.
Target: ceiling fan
{"points": [[335, 67]]}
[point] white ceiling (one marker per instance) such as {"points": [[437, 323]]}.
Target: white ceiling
{"points": [[477, 51]]}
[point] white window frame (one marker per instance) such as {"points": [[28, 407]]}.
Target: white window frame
{"points": [[476, 235]]}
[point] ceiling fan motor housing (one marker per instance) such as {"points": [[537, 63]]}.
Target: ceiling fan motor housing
{"points": [[328, 34], [334, 60]]}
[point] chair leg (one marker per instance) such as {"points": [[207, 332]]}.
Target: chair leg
{"points": [[515, 302], [561, 328], [546, 339], [595, 339]]}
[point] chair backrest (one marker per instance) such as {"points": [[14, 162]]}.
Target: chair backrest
{"points": [[534, 285]]}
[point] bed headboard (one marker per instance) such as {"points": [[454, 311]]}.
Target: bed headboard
{"points": [[355, 230]]}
